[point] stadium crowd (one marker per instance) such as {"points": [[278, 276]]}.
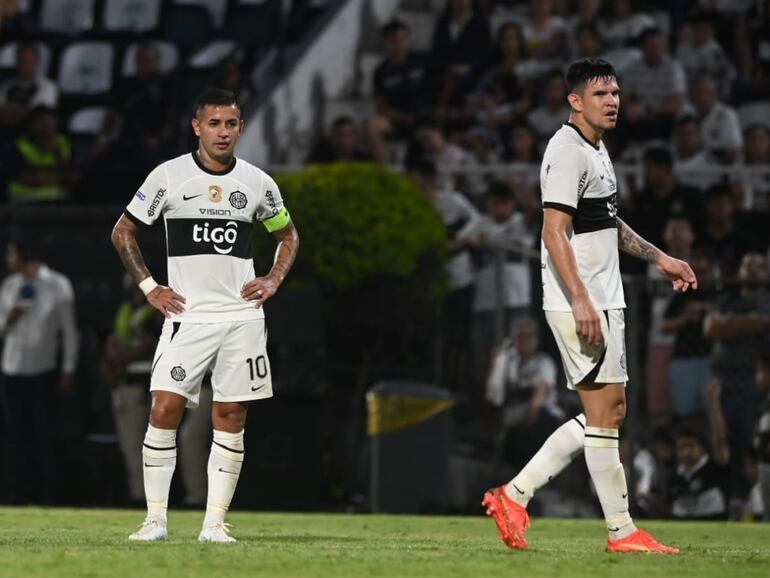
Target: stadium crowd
{"points": [[468, 120]]}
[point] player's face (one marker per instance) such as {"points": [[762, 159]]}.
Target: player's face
{"points": [[218, 128], [598, 102]]}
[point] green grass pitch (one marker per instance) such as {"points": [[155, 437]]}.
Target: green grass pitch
{"points": [[37, 543]]}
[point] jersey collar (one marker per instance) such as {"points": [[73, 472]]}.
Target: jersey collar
{"points": [[580, 132], [209, 171]]}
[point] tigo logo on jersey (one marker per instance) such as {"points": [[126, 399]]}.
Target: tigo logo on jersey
{"points": [[238, 200], [215, 193], [217, 235]]}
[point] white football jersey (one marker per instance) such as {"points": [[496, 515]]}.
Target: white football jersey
{"points": [[209, 231], [578, 178]]}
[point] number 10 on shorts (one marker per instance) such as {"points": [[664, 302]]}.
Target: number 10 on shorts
{"points": [[257, 365]]}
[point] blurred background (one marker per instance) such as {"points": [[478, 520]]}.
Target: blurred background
{"points": [[412, 365]]}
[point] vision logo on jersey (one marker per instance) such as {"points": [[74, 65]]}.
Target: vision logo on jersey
{"points": [[238, 200], [209, 237], [215, 194]]}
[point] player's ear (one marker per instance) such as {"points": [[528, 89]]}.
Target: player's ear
{"points": [[240, 127], [575, 101], [196, 126]]}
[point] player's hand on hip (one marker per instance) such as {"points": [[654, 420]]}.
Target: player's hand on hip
{"points": [[167, 301], [587, 322], [259, 290], [678, 272]]}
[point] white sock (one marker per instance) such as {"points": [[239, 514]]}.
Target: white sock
{"points": [[609, 478], [159, 461], [224, 468], [556, 454]]}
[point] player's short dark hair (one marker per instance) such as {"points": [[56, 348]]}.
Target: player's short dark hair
{"points": [[392, 27], [658, 156], [586, 69], [215, 97]]}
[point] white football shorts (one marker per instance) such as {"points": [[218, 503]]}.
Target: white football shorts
{"points": [[582, 363], [235, 351]]}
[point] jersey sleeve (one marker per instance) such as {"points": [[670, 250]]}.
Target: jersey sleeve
{"points": [[148, 202], [271, 210], [564, 179]]}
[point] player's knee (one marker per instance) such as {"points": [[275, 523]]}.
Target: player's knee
{"points": [[229, 417], [165, 415]]}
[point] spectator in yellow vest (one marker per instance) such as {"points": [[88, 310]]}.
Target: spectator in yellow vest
{"points": [[41, 161]]}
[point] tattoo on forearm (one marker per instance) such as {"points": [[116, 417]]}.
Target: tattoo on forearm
{"points": [[131, 255], [285, 254], [631, 243]]}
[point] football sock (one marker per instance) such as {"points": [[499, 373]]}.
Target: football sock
{"points": [[609, 478], [159, 461], [224, 468], [556, 453]]}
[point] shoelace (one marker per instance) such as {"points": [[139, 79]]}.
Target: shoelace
{"points": [[223, 525], [148, 522]]}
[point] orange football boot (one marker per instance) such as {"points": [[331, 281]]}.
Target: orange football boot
{"points": [[511, 519], [639, 541]]}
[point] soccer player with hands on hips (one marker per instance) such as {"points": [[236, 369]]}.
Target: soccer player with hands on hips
{"points": [[209, 200], [583, 303]]}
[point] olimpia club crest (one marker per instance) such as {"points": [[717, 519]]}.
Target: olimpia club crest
{"points": [[215, 193], [238, 199]]}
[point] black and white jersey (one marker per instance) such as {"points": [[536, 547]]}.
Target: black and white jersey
{"points": [[577, 177], [209, 237]]}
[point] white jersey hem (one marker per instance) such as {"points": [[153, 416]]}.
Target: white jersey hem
{"points": [[568, 309]]}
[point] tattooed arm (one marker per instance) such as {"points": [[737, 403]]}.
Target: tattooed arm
{"points": [[123, 238], [261, 289], [631, 243], [678, 272]]}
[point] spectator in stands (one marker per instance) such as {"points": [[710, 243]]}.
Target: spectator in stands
{"points": [[341, 145], [28, 89], [623, 25], [37, 322], [521, 153], [678, 239], [755, 188], [754, 53], [719, 122], [461, 47], [700, 53], [402, 91], [587, 41], [146, 107], [654, 89], [230, 77], [503, 284], [507, 68], [762, 432], [585, 18], [522, 385], [125, 368], [461, 221], [739, 324], [431, 144], [554, 112], [652, 493], [544, 34], [719, 236], [41, 161], [693, 163], [688, 370], [662, 196], [699, 487]]}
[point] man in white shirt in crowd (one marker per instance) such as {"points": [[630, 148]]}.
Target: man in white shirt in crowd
{"points": [[37, 304], [720, 125], [28, 89]]}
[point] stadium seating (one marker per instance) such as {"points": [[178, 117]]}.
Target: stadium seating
{"points": [[86, 68], [67, 16], [131, 15]]}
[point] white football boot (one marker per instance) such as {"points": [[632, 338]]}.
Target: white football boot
{"points": [[151, 530], [217, 532]]}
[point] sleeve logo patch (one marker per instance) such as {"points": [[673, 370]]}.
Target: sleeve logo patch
{"points": [[140, 195], [215, 194], [238, 200], [156, 202]]}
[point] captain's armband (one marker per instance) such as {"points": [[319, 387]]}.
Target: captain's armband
{"points": [[277, 221]]}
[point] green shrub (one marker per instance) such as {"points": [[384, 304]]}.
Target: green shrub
{"points": [[357, 222]]}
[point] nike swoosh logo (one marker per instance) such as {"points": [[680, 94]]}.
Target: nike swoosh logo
{"points": [[228, 472], [186, 198], [517, 489], [153, 466], [258, 388], [601, 177], [613, 529], [625, 495]]}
